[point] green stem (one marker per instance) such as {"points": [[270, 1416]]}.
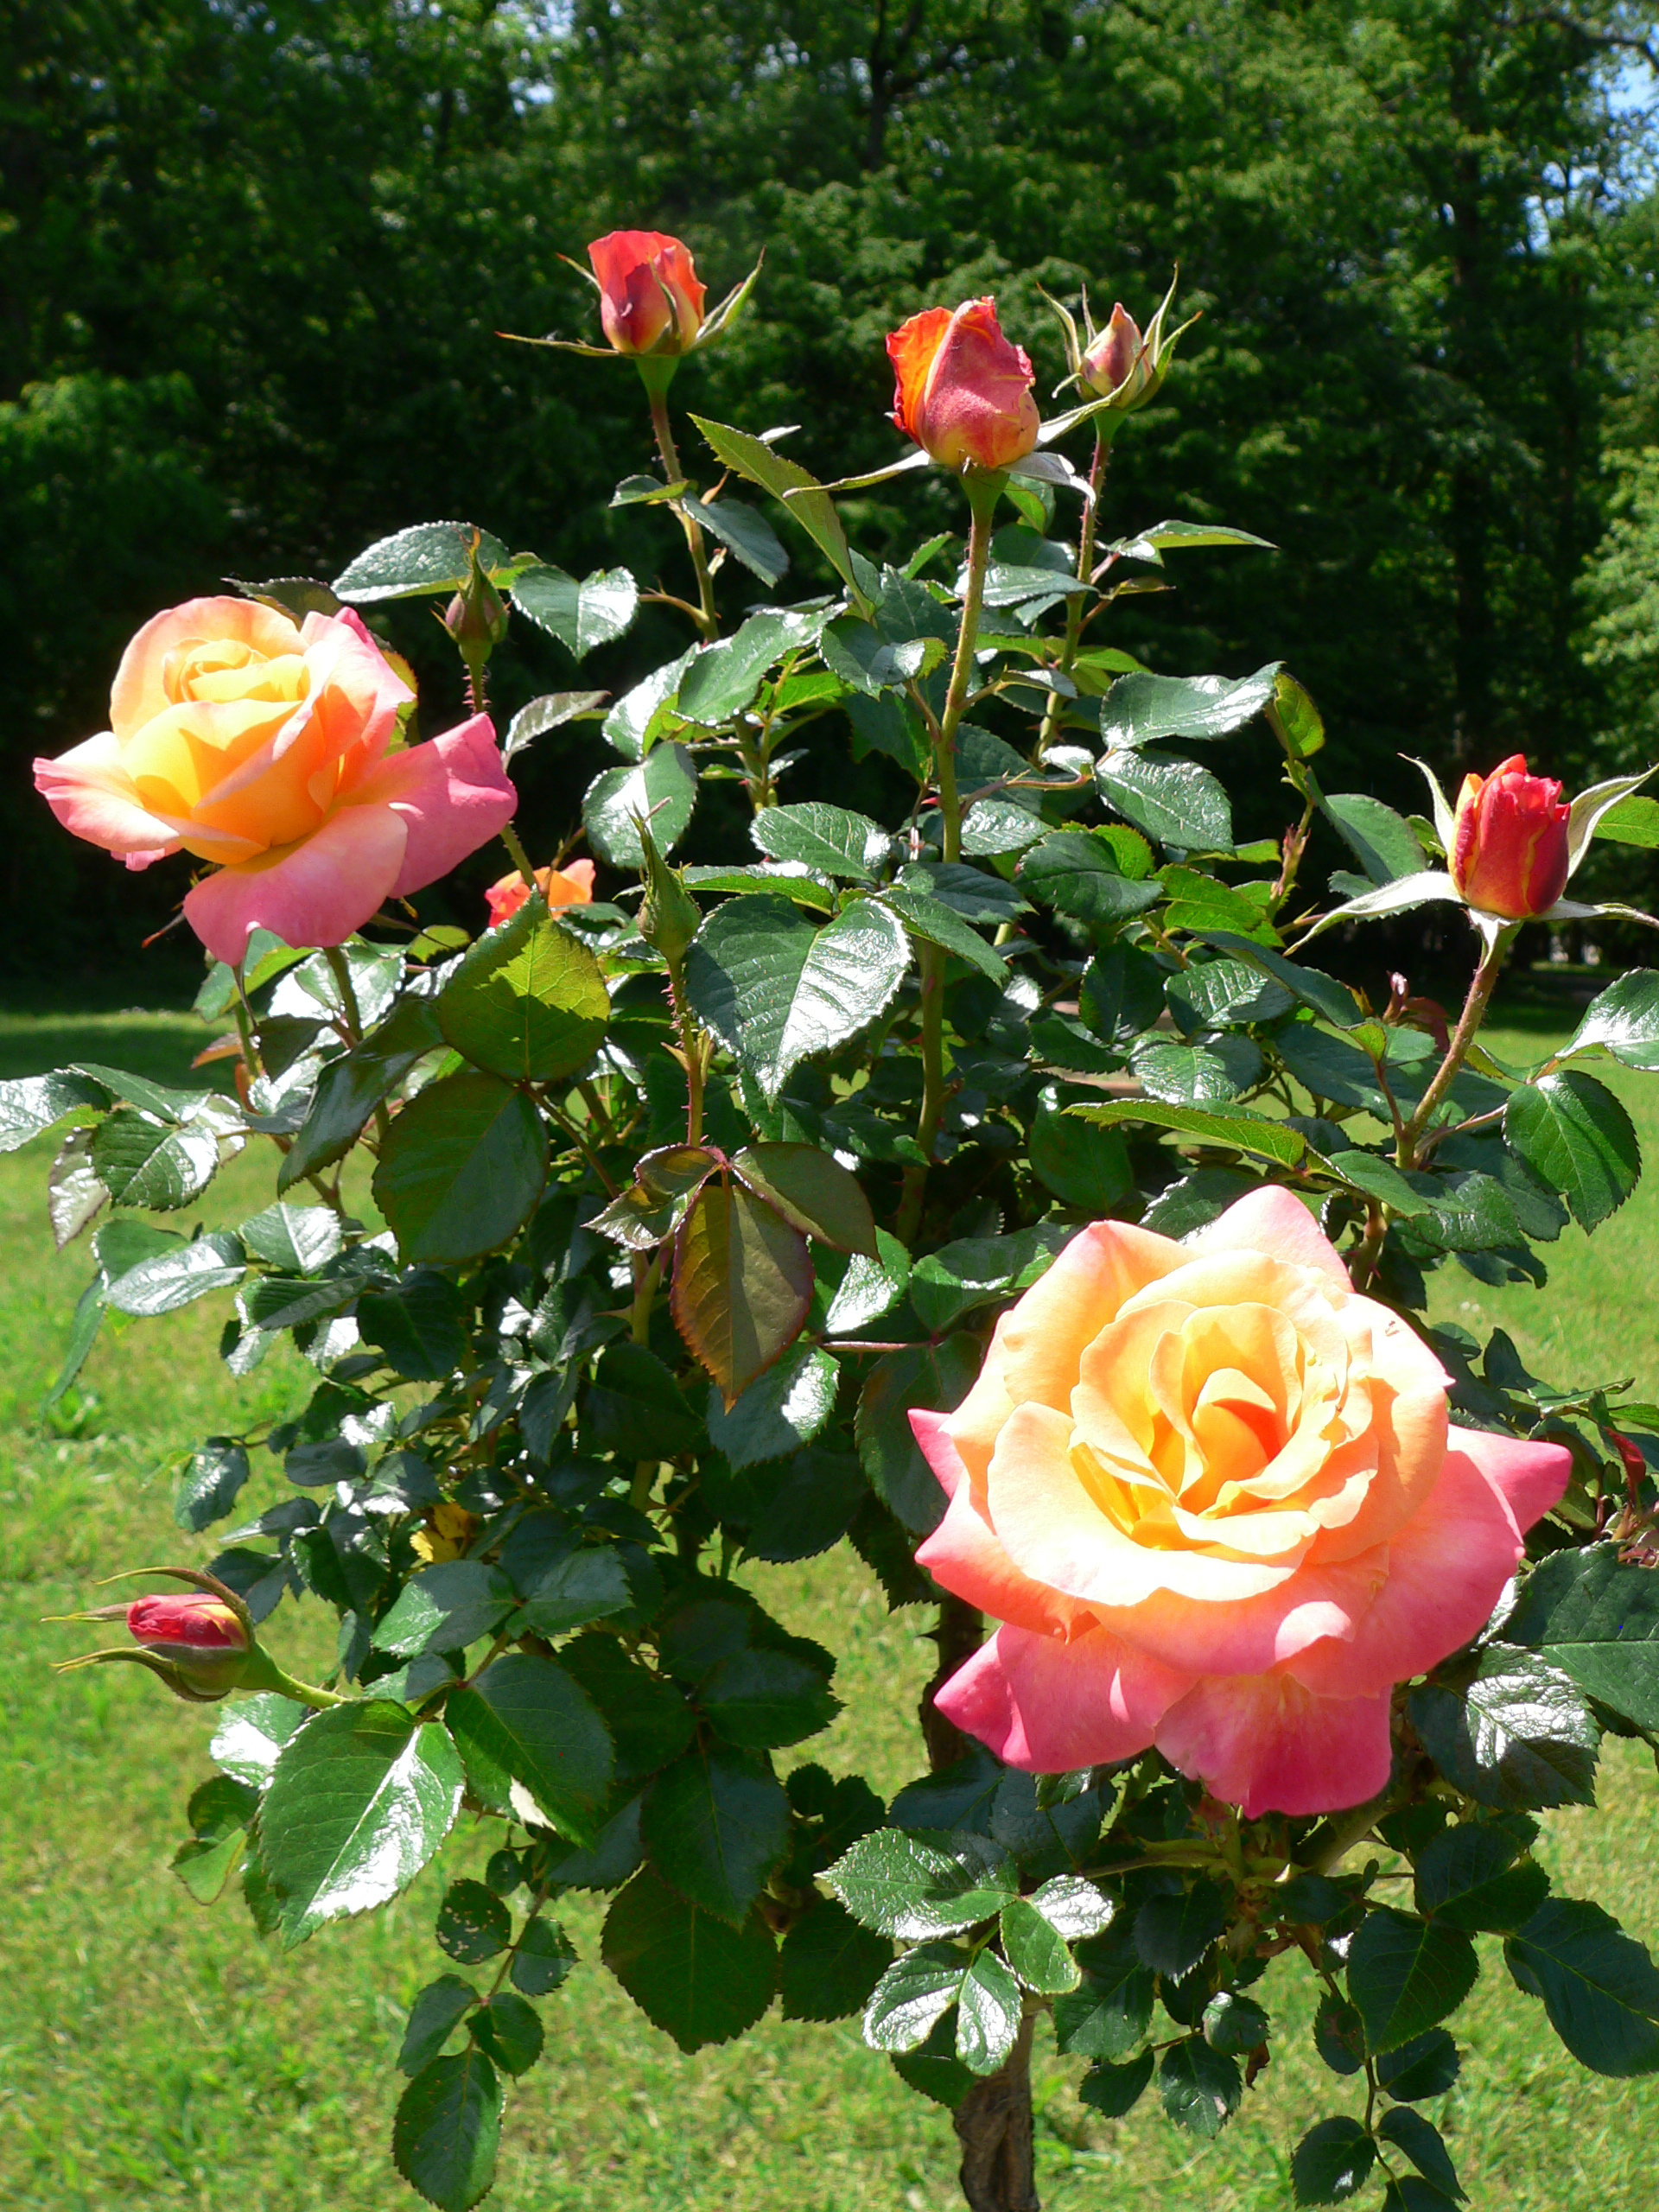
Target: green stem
{"points": [[708, 621], [983, 493], [930, 963], [1474, 1012], [518, 856], [265, 1673], [340, 968], [1105, 425], [692, 1046]]}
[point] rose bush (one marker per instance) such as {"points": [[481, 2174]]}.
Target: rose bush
{"points": [[268, 747], [989, 1183], [1213, 1496]]}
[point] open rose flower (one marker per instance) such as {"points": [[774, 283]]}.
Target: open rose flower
{"points": [[964, 391], [1212, 1493], [266, 746], [559, 887]]}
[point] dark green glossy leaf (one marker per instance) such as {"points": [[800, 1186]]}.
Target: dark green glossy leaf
{"points": [[525, 1720], [580, 615], [912, 1996], [1172, 1933], [1590, 1614], [744, 531], [1571, 1131], [433, 2018], [1113, 2090], [840, 843], [913, 1883], [448, 2129], [813, 1192], [1423, 2145], [432, 556], [715, 1824], [510, 2030], [420, 1325], [1233, 2022], [1332, 2162], [1406, 1974], [934, 1376], [828, 1964], [462, 1168], [1200, 2088], [694, 1977], [778, 1414], [1599, 1987], [742, 1284], [1624, 1021], [1384, 843], [988, 2006], [1467, 1877], [1232, 1126], [1077, 874], [662, 790], [972, 1272], [1035, 1951], [761, 1700], [527, 1001], [209, 1487], [1426, 2067], [1519, 1738], [472, 1923], [542, 1959], [1175, 802]]}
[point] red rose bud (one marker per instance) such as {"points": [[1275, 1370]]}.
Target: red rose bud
{"points": [[649, 301], [201, 1643], [1509, 852], [1118, 363], [964, 392]]}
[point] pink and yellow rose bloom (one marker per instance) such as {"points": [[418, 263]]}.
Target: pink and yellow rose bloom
{"points": [[270, 749], [962, 389], [1214, 1497]]}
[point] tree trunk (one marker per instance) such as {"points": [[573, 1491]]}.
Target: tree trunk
{"points": [[959, 1634], [993, 2124]]}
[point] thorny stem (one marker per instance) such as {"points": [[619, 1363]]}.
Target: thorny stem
{"points": [[1474, 1012], [1085, 571], [707, 620], [340, 968], [518, 856], [691, 1044]]}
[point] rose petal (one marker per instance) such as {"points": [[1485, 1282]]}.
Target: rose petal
{"points": [[1268, 1744], [963, 1553], [451, 794], [1532, 1478], [94, 798], [1048, 1706], [141, 692], [315, 893], [1272, 1220]]}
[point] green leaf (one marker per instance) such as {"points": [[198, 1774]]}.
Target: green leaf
{"points": [[1087, 1168], [914, 1883], [973, 892], [935, 1377], [1224, 993], [462, 1168], [662, 790], [1198, 1074], [647, 712], [775, 990], [472, 1923], [1599, 1987], [1406, 1974], [580, 615], [1175, 801], [742, 1284], [1311, 986], [828, 1964], [1424, 2068], [869, 663], [349, 1089], [1172, 1933], [551, 711], [744, 531], [912, 1996], [542, 1959], [359, 1799], [1624, 1019], [251, 1734], [715, 1824], [1339, 2035], [781, 1411], [1422, 2143], [433, 557], [1235, 1126], [648, 1718], [433, 2018], [1114, 2090], [509, 2031], [448, 2129], [1599, 1619], [527, 1001], [1631, 821], [1571, 1131], [1519, 1738], [1467, 1877], [960, 1277], [178, 1277], [761, 1700], [420, 1325], [635, 1408], [444, 1608], [1299, 722], [813, 1192], [1332, 2162], [1072, 1907], [295, 1240], [868, 1289], [813, 507], [220, 1812], [34, 1103], [1233, 2022], [1384, 843], [585, 1586], [988, 2006], [1139, 708], [210, 1485], [1077, 874], [934, 923], [1200, 2088], [1108, 2014], [146, 1163], [722, 679], [698, 1979], [524, 1721], [1035, 1951]]}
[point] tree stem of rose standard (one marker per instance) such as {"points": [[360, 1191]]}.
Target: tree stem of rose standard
{"points": [[707, 621]]}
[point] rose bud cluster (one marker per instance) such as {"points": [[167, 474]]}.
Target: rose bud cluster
{"points": [[1510, 852]]}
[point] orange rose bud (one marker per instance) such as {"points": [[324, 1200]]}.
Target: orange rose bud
{"points": [[560, 887], [649, 300], [1118, 362], [964, 392], [1509, 852]]}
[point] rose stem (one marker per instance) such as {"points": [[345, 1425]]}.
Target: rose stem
{"points": [[707, 621]]}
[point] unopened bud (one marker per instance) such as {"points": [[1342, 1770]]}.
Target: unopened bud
{"points": [[200, 1642], [476, 618], [1118, 363], [669, 917]]}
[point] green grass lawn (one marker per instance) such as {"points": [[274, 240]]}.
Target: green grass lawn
{"points": [[154, 2053]]}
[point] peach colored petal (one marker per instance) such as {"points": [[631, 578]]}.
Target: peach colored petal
{"points": [[93, 796], [1048, 1706], [140, 690], [315, 893], [1265, 1743], [451, 794], [1273, 1220], [911, 349], [976, 410], [963, 1553], [1531, 1477]]}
